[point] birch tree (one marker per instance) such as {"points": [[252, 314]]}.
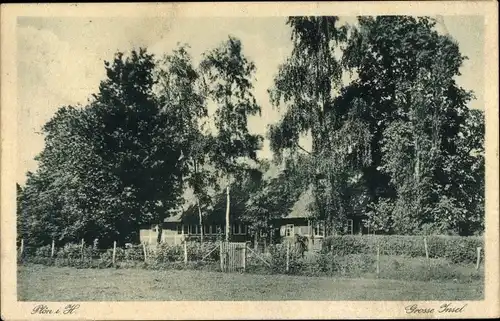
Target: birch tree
{"points": [[307, 86], [228, 75]]}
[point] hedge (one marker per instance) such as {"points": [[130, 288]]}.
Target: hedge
{"points": [[457, 249], [165, 253], [402, 257], [71, 255]]}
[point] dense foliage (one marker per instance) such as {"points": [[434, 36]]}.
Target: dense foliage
{"points": [[396, 142], [125, 159], [456, 249]]}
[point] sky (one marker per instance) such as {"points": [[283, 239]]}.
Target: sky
{"points": [[61, 61]]}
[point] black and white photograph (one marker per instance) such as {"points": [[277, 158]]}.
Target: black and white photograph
{"points": [[235, 158]]}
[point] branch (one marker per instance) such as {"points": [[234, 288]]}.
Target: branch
{"points": [[297, 144]]}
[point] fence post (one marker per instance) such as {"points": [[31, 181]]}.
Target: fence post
{"points": [[144, 250], [114, 252], [221, 257], [427, 252], [52, 251], [287, 256], [378, 259], [244, 257], [22, 247], [82, 249], [478, 258], [185, 252]]}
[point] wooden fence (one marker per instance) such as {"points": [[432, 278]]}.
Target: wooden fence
{"points": [[233, 256]]}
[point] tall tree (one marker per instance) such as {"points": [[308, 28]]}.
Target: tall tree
{"points": [[406, 75], [110, 166], [181, 91], [229, 74], [139, 141], [306, 84]]}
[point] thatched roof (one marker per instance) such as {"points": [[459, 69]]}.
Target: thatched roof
{"points": [[301, 208], [189, 209]]}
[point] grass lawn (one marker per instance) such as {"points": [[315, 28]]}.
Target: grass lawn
{"points": [[48, 283]]}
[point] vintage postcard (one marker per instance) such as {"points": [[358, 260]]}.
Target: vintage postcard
{"points": [[249, 161]]}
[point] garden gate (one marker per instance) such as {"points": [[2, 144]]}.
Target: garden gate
{"points": [[232, 256]]}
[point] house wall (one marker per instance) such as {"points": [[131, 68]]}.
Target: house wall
{"points": [[302, 226], [168, 235], [173, 233]]}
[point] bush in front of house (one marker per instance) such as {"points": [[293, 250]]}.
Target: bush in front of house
{"points": [[278, 261], [330, 264], [207, 251], [457, 249], [134, 253], [44, 251], [164, 253]]}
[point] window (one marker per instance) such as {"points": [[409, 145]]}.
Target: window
{"points": [[319, 229], [185, 229], [179, 228], [206, 229], [289, 230], [239, 229], [350, 227]]}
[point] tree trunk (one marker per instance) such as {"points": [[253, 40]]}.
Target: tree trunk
{"points": [[201, 220], [256, 240], [160, 232], [227, 214], [417, 162]]}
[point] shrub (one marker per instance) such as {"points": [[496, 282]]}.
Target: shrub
{"points": [[44, 251], [40, 260], [278, 259], [454, 248], [326, 263], [209, 251], [134, 253], [70, 251], [162, 253], [417, 269], [166, 253], [330, 264]]}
